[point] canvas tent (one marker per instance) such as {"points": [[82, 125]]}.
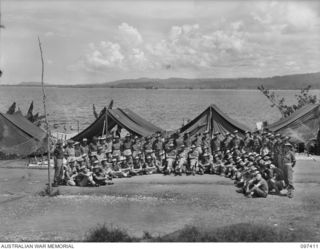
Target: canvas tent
{"points": [[124, 118], [301, 126], [18, 136], [213, 120]]}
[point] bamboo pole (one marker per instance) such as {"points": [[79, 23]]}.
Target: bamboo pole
{"points": [[45, 116]]}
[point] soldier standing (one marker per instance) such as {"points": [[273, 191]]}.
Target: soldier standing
{"points": [[289, 162], [215, 143], [93, 146], [58, 163], [84, 148]]}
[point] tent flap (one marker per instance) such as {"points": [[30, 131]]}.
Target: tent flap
{"points": [[301, 126]]}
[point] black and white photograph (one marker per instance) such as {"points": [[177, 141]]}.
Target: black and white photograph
{"points": [[159, 121]]}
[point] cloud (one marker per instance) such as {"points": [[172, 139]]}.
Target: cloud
{"points": [[268, 37], [129, 35], [284, 17], [185, 46], [106, 55]]}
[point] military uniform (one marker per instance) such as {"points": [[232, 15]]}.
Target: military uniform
{"points": [[171, 155], [116, 148], [58, 154], [193, 160], [84, 148], [93, 146], [149, 166], [256, 144], [137, 166], [181, 161], [289, 162], [205, 164], [215, 144]]}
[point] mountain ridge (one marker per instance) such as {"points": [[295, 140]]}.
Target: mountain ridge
{"points": [[293, 81]]}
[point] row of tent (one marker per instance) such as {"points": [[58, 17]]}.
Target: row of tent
{"points": [[21, 137]]}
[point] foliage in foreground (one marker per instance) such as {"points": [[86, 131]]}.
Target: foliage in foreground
{"points": [[303, 98], [244, 232], [102, 233]]}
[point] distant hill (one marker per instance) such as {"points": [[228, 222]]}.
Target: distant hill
{"points": [[294, 81]]}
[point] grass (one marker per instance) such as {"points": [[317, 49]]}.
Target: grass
{"points": [[243, 232]]}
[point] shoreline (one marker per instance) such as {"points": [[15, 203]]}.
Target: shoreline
{"points": [[154, 89]]}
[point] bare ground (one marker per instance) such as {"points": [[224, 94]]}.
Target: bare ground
{"points": [[157, 204]]}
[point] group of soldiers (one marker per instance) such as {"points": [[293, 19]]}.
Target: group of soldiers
{"points": [[259, 162]]}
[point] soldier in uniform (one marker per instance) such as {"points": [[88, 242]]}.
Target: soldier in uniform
{"points": [[276, 150], [84, 148], [116, 147], [136, 147], [205, 163], [116, 168], [85, 178], [247, 142], [193, 160], [101, 142], [149, 166], [256, 142], [70, 173], [137, 166], [171, 155], [217, 165], [181, 160], [126, 164], [108, 144], [236, 140], [58, 157], [257, 187], [289, 162], [187, 140], [206, 141], [158, 148], [100, 154], [106, 165], [224, 145], [127, 146], [93, 146], [178, 141], [69, 151], [77, 151], [215, 143]]}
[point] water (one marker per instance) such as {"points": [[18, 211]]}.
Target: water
{"points": [[165, 108]]}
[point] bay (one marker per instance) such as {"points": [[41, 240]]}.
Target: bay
{"points": [[167, 108]]}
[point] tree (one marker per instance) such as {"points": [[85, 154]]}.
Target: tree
{"points": [[303, 98]]}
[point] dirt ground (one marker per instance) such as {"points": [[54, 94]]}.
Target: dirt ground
{"points": [[157, 204]]}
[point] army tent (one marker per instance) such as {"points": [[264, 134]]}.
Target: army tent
{"points": [[18, 136], [213, 120], [301, 126], [124, 118]]}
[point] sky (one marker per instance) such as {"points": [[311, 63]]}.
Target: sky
{"points": [[100, 41]]}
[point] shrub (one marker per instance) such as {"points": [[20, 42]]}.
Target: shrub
{"points": [[102, 233], [45, 192], [243, 232]]}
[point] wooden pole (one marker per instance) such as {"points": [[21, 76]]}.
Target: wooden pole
{"points": [[106, 121], [45, 116]]}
